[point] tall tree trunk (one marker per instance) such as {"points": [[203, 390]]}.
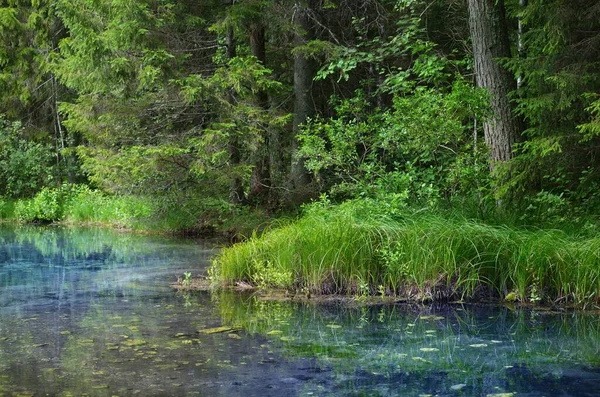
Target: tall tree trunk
{"points": [[490, 41], [304, 106], [236, 188], [260, 183]]}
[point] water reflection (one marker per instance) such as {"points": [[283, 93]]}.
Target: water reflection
{"points": [[445, 350], [89, 312]]}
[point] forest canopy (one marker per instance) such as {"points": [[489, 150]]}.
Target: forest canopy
{"points": [[207, 107]]}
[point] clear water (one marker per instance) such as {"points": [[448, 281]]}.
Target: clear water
{"points": [[90, 312]]}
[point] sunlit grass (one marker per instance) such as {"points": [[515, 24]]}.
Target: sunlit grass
{"points": [[78, 204], [346, 249]]}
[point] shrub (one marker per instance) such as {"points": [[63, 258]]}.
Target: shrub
{"points": [[25, 166]]}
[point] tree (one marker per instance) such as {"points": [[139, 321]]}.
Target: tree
{"points": [[304, 71], [489, 36]]}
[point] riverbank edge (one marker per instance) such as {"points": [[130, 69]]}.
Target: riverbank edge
{"points": [[202, 284], [358, 249]]}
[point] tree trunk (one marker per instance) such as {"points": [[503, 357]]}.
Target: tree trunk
{"points": [[260, 183], [304, 107], [236, 188], [490, 41]]}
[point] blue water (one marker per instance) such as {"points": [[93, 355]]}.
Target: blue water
{"points": [[90, 312]]}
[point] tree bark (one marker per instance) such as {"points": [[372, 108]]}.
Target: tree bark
{"points": [[260, 182], [490, 41], [236, 187], [304, 106]]}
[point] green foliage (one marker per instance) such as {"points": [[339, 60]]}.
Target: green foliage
{"points": [[357, 246], [7, 208], [422, 150], [105, 52], [26, 30], [266, 275], [25, 165], [558, 100], [92, 206], [77, 203], [49, 204]]}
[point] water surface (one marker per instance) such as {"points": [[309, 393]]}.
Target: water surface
{"points": [[90, 312]]}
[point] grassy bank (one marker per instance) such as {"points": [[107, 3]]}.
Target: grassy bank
{"points": [[355, 248], [78, 204]]}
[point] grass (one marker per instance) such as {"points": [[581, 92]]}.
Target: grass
{"points": [[176, 214], [355, 248]]}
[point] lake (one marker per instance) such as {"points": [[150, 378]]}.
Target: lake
{"points": [[87, 311]]}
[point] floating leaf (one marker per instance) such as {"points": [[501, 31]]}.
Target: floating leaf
{"points": [[134, 342], [215, 330], [511, 297], [434, 318], [429, 349]]}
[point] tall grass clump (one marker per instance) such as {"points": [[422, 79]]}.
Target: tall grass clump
{"points": [[92, 206], [358, 249]]}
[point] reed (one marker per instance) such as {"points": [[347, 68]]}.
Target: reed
{"points": [[350, 250]]}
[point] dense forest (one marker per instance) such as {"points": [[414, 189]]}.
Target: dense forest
{"points": [[186, 114], [205, 106]]}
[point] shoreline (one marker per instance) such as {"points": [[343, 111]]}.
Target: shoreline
{"points": [[201, 284]]}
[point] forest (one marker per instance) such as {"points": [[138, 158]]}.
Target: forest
{"points": [[438, 144]]}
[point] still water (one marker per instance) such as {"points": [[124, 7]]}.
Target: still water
{"points": [[90, 312]]}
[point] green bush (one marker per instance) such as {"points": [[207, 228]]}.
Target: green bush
{"points": [[25, 166], [49, 205]]}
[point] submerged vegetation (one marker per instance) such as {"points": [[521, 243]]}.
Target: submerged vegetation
{"points": [[359, 248], [460, 349]]}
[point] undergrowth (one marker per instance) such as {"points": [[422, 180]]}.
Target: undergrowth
{"points": [[79, 204], [362, 248]]}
